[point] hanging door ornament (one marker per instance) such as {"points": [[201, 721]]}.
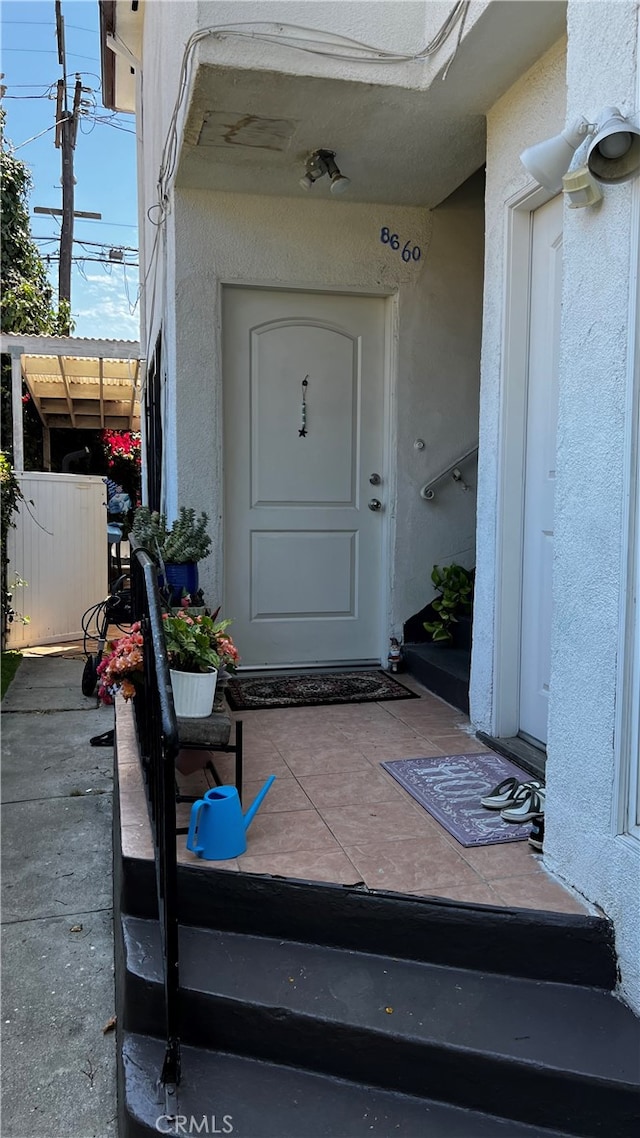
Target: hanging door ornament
{"points": [[302, 433]]}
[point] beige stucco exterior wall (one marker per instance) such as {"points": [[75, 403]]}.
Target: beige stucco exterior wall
{"points": [[434, 322], [585, 843], [598, 371]]}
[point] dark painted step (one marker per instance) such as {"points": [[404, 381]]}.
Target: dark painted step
{"points": [[444, 671], [552, 1054], [562, 947], [522, 753], [261, 1100]]}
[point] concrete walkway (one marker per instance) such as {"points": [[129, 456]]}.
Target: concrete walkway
{"points": [[58, 1066]]}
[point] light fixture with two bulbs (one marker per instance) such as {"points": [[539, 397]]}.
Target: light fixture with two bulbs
{"points": [[613, 157], [322, 162]]}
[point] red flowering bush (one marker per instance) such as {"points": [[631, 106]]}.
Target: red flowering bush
{"points": [[122, 668], [124, 459], [122, 444]]}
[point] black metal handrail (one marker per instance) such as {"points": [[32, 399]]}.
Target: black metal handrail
{"points": [[157, 729]]}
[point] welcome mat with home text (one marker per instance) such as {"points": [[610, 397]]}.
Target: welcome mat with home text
{"points": [[450, 788], [253, 694]]}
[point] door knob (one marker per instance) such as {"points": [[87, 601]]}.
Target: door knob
{"points": [[375, 504], [375, 479]]}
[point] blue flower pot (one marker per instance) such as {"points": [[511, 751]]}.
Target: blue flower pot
{"points": [[179, 577]]}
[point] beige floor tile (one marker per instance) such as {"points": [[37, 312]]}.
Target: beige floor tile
{"points": [[260, 767], [346, 788], [475, 894], [259, 747], [411, 865], [186, 857], [372, 822], [334, 815], [417, 749], [136, 841], [130, 779], [196, 784], [508, 859], [133, 808], [460, 744], [285, 794], [307, 865], [310, 737], [288, 832], [419, 712], [327, 762], [429, 725], [537, 891]]}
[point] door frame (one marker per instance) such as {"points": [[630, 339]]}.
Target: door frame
{"points": [[520, 208], [389, 425], [625, 822]]}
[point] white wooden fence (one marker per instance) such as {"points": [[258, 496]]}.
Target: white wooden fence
{"points": [[59, 549]]}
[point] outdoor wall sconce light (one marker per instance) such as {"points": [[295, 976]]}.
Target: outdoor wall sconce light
{"points": [[318, 164], [613, 156]]}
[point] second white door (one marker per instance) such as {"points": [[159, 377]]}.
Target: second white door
{"points": [[303, 389]]}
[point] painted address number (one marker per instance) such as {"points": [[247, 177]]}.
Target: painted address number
{"points": [[409, 252]]}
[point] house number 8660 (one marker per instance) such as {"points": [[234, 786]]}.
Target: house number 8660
{"points": [[409, 252]]}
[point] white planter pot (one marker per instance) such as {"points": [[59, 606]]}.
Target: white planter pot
{"points": [[193, 693]]}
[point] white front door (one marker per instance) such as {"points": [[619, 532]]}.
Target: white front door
{"points": [[303, 549], [540, 463]]}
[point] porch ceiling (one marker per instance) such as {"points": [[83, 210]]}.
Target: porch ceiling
{"points": [[249, 130]]}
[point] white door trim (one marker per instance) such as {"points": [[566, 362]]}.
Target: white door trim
{"points": [[389, 428], [625, 819], [511, 457]]}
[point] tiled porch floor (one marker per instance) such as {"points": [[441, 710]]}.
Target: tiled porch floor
{"points": [[335, 815]]}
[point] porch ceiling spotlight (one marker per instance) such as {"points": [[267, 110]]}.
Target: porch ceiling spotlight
{"points": [[613, 157], [322, 162]]}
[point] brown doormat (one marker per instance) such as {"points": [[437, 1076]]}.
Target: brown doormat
{"points": [[311, 690]]}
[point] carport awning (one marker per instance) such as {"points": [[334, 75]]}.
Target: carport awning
{"points": [[81, 383]]}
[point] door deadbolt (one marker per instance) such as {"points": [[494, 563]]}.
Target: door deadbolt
{"points": [[375, 479], [375, 504]]}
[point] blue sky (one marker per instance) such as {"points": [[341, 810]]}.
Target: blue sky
{"points": [[104, 163]]}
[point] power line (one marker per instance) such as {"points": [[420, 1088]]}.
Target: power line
{"points": [[48, 51], [96, 260], [97, 244], [115, 224], [44, 24]]}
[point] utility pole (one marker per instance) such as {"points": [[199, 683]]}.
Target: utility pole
{"points": [[66, 134]]}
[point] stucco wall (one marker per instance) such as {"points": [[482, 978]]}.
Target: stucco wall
{"points": [[593, 468], [167, 25], [402, 26], [226, 238], [596, 374]]}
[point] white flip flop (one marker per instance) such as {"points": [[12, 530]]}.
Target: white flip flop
{"points": [[530, 806]]}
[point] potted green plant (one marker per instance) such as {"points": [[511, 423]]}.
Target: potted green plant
{"points": [[193, 662], [455, 586], [177, 549]]}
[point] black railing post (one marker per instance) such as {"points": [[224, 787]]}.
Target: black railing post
{"points": [[158, 741]]}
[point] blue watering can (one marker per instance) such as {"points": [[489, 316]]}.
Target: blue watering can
{"points": [[217, 826]]}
